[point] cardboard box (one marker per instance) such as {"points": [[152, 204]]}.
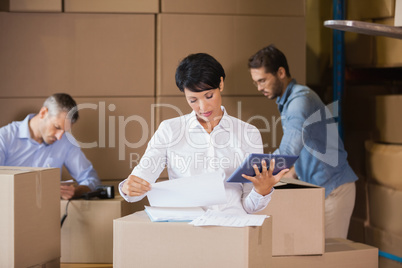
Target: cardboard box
{"points": [[298, 212], [237, 7], [388, 51], [385, 208], [87, 232], [80, 54], [359, 49], [112, 6], [384, 241], [387, 263], [338, 253], [31, 5], [30, 221], [387, 119], [384, 164], [372, 9], [229, 39], [398, 13], [179, 244], [373, 51]]}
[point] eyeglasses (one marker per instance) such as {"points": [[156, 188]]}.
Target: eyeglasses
{"points": [[260, 82]]}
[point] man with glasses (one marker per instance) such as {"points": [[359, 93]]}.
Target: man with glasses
{"points": [[310, 132]]}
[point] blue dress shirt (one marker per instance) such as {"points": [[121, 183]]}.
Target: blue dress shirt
{"points": [[17, 148], [311, 132]]}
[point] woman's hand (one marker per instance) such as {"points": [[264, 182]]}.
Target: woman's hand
{"points": [[135, 186], [265, 180]]}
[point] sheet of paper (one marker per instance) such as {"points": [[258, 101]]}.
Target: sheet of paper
{"points": [[173, 214], [219, 218], [69, 182], [196, 191]]}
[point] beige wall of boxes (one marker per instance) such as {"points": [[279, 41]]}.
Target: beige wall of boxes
{"points": [[372, 128], [117, 59]]}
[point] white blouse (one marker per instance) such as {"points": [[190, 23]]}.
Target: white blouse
{"points": [[183, 146]]}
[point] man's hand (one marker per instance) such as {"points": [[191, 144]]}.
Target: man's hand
{"points": [[67, 191], [291, 173], [264, 180], [135, 186]]}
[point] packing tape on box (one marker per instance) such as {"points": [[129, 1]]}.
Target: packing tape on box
{"points": [[38, 178], [389, 256], [260, 235], [38, 181]]}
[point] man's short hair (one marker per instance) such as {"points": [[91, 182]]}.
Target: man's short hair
{"points": [[199, 72], [270, 58], [62, 102]]}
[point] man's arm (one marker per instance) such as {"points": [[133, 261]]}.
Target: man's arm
{"points": [[299, 109], [81, 169], [3, 145]]}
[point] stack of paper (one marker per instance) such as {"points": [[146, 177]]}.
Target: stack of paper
{"points": [[201, 190], [219, 218], [182, 199], [173, 214]]}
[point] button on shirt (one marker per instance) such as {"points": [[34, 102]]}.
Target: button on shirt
{"points": [[17, 148], [311, 132], [183, 146]]}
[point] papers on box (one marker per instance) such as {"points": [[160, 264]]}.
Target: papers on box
{"points": [[219, 218], [173, 214], [200, 190]]}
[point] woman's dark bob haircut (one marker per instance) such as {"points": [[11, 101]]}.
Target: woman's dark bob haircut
{"points": [[199, 72]]}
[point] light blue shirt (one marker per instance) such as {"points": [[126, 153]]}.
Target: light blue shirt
{"points": [[311, 132], [17, 148]]}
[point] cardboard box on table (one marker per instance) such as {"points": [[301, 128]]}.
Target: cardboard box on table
{"points": [[87, 232], [30, 217], [139, 242], [338, 253], [298, 218]]}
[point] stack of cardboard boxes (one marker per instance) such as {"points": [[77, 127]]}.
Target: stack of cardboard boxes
{"points": [[117, 59], [376, 215], [368, 50], [293, 236], [384, 155]]}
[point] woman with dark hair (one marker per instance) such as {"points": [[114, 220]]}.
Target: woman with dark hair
{"points": [[205, 141]]}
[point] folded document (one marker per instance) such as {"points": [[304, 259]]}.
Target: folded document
{"points": [[196, 191], [219, 218], [173, 214]]}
